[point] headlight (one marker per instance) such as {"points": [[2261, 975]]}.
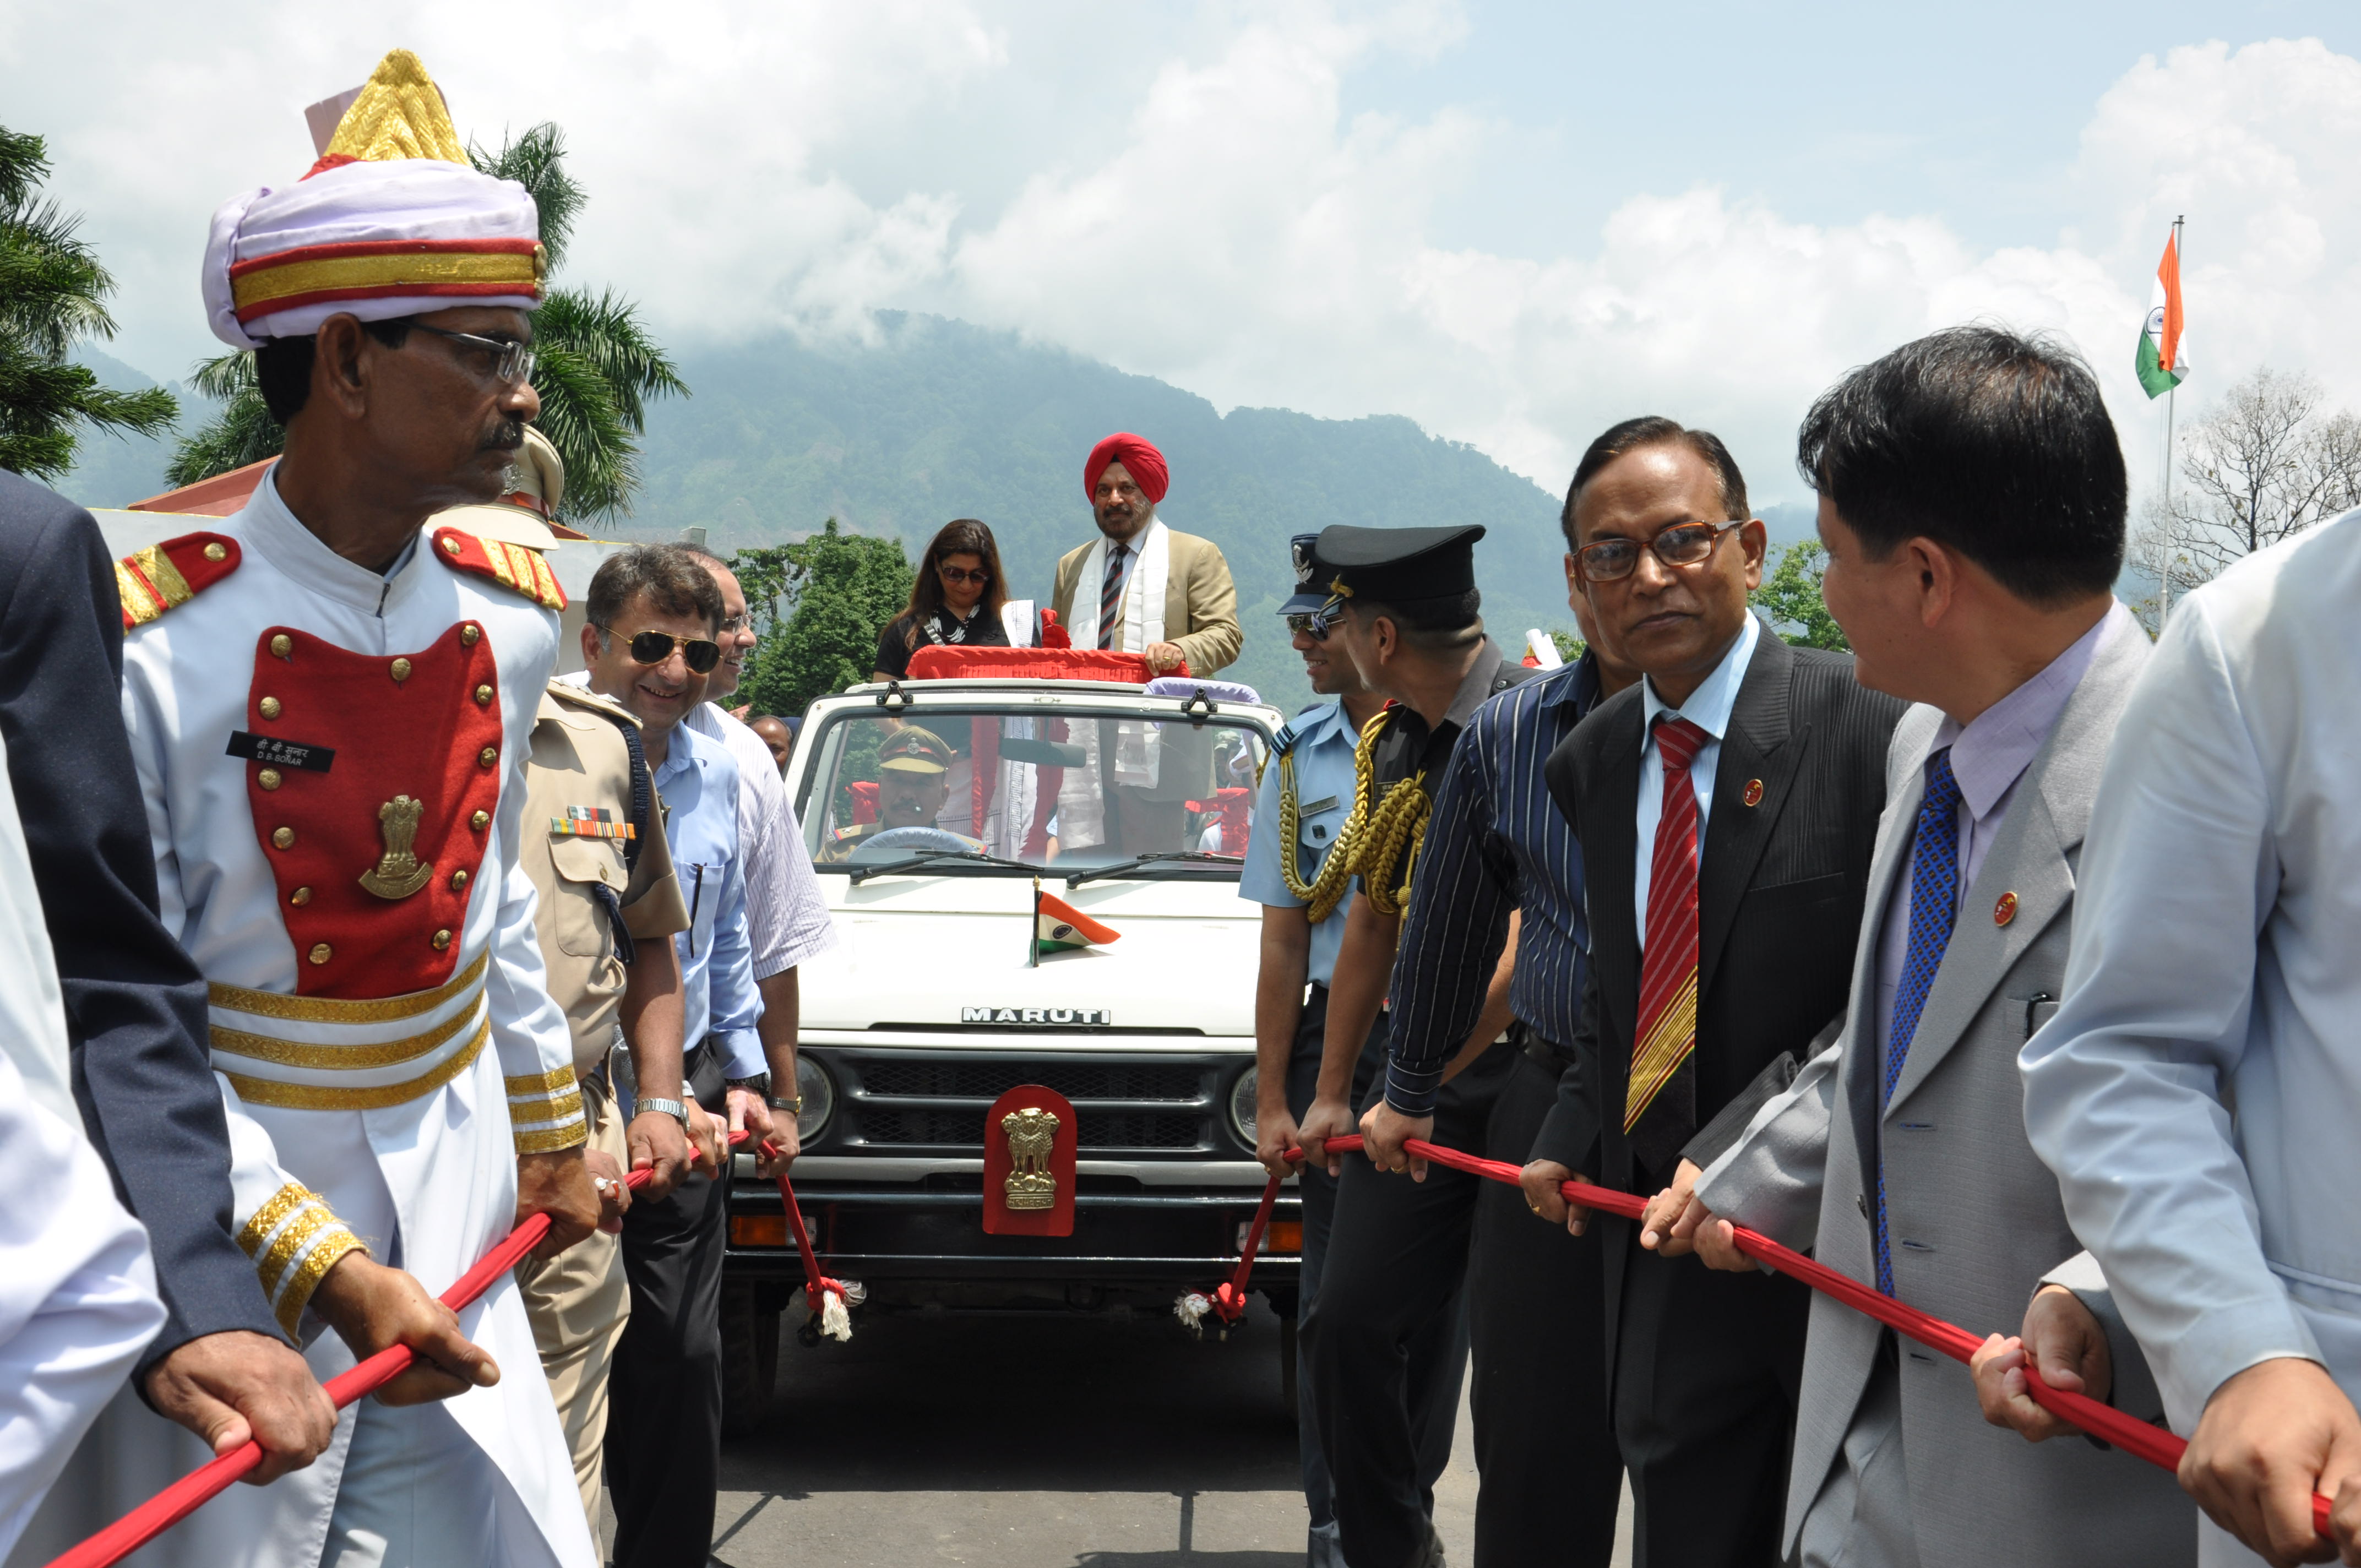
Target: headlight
{"points": [[819, 1098], [1242, 1106]]}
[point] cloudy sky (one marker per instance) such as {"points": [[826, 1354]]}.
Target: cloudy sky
{"points": [[1515, 223]]}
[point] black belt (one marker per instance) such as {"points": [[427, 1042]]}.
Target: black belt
{"points": [[1556, 1058]]}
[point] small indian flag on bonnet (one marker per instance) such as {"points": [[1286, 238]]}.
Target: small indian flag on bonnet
{"points": [[1059, 927]]}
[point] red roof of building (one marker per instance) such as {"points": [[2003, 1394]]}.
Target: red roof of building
{"points": [[217, 497]]}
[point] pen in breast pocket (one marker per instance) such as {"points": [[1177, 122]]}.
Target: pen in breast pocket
{"points": [[695, 896]]}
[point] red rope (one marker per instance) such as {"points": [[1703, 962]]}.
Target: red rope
{"points": [[2154, 1444]]}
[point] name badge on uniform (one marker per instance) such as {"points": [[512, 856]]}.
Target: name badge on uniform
{"points": [[1325, 803], [280, 753], [589, 822]]}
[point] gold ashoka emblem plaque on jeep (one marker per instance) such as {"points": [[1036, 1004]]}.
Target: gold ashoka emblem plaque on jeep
{"points": [[1032, 1136]]}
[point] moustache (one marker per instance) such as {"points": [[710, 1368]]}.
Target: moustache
{"points": [[505, 436]]}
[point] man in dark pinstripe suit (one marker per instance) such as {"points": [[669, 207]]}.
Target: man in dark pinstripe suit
{"points": [[1727, 807]]}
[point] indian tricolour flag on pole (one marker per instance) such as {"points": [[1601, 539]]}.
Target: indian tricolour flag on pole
{"points": [[1059, 927], [2163, 352]]}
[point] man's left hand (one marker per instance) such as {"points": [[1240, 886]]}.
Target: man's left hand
{"points": [[2064, 1340], [1163, 656], [785, 1139], [1384, 1130], [750, 1116], [1678, 1222], [557, 1184]]}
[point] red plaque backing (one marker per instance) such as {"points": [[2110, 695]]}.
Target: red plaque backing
{"points": [[1000, 1161]]}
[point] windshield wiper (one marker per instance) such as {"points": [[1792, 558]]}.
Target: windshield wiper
{"points": [[860, 874], [1123, 868]]}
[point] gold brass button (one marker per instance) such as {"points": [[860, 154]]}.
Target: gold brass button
{"points": [[451, 546], [442, 940], [283, 646], [321, 952], [283, 837], [269, 707], [401, 669], [483, 696], [268, 778], [216, 553], [300, 897], [488, 755], [481, 820], [471, 635], [458, 881]]}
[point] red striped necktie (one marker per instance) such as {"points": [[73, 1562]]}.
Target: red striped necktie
{"points": [[1660, 1102]]}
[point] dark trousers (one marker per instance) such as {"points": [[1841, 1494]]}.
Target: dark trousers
{"points": [[1707, 1369], [1392, 1294], [1537, 1321], [664, 1411], [1318, 1189]]}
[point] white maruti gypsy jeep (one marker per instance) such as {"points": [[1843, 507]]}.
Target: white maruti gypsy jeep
{"points": [[1130, 807]]}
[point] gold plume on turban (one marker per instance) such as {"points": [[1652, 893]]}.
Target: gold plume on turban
{"points": [[399, 114]]}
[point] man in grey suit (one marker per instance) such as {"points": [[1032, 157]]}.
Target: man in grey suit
{"points": [[1972, 501]]}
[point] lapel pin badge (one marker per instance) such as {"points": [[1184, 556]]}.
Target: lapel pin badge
{"points": [[2006, 910], [1753, 796]]}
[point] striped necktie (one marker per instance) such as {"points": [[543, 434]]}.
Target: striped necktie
{"points": [[1934, 904], [1111, 597], [1660, 1102]]}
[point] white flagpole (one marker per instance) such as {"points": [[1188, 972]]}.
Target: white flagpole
{"points": [[2171, 399]]}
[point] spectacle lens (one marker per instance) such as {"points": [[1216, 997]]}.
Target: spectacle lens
{"points": [[1314, 626], [656, 647], [512, 359], [1683, 544], [961, 575]]}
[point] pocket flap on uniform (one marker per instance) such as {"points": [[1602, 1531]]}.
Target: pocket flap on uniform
{"points": [[589, 859]]}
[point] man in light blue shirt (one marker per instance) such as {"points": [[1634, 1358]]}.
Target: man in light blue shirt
{"points": [[655, 613], [1313, 763]]}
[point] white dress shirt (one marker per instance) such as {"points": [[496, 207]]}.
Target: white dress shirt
{"points": [[1988, 756], [2197, 1092], [1708, 707], [786, 914]]}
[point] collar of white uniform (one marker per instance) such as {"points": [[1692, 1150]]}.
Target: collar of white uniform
{"points": [[271, 528]]}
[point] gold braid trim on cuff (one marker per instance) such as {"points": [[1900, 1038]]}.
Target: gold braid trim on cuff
{"points": [[288, 1243], [571, 1134], [331, 1248], [272, 1215], [555, 1081]]}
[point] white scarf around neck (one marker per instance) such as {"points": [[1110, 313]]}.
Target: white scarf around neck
{"points": [[1143, 591]]}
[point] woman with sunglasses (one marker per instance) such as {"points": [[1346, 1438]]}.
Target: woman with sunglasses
{"points": [[954, 602]]}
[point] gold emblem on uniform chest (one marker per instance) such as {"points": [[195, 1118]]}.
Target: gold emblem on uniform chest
{"points": [[1032, 1136], [399, 873]]}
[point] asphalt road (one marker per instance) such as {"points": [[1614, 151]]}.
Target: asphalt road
{"points": [[1032, 1443]]}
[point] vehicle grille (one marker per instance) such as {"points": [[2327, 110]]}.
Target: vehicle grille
{"points": [[910, 1099]]}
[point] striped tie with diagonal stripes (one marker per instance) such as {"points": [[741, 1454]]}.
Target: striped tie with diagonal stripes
{"points": [[1667, 1038], [1111, 597]]}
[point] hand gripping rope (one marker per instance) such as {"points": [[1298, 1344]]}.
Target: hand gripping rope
{"points": [[2158, 1447], [193, 1491]]}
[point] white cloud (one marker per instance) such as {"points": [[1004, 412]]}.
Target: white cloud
{"points": [[1222, 220]]}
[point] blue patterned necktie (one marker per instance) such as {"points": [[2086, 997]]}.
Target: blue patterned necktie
{"points": [[1933, 901]]}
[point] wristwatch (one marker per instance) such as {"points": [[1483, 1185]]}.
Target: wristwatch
{"points": [[792, 1107], [760, 1083], [671, 1108]]}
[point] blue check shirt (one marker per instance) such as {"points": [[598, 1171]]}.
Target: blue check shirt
{"points": [[1496, 842]]}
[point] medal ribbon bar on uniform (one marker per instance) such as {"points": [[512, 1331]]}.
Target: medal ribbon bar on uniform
{"points": [[590, 822]]}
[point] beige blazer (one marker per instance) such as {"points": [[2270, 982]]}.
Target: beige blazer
{"points": [[1201, 603]]}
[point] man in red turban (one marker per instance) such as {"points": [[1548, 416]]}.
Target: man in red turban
{"points": [[1142, 588]]}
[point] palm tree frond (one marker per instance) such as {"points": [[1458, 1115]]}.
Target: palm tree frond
{"points": [[536, 160]]}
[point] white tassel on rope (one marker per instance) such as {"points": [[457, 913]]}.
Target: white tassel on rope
{"points": [[835, 1311], [1190, 1309]]}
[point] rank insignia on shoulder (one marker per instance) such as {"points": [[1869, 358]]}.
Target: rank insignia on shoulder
{"points": [[163, 577], [589, 822], [512, 566]]}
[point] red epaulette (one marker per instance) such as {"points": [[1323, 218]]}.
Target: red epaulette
{"points": [[153, 580], [514, 566]]}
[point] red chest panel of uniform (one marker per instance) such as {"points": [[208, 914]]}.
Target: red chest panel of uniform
{"points": [[375, 856]]}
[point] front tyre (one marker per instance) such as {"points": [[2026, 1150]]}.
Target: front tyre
{"points": [[750, 1356]]}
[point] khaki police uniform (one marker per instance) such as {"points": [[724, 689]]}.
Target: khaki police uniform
{"points": [[578, 808]]}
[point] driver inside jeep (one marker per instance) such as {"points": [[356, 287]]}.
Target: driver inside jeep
{"points": [[914, 767]]}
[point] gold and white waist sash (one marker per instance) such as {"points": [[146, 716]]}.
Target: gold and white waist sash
{"points": [[315, 1053]]}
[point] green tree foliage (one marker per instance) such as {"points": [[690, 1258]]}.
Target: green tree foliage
{"points": [[1790, 596], [53, 296], [818, 604], [599, 366]]}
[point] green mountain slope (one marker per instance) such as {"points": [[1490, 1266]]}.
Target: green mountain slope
{"points": [[940, 419]]}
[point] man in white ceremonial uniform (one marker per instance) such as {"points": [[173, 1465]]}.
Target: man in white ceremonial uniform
{"points": [[330, 709], [2199, 1089], [78, 1298], [1972, 503]]}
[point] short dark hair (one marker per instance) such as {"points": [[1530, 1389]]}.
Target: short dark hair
{"points": [[1992, 442], [1430, 624], [282, 366], [672, 575], [1655, 430]]}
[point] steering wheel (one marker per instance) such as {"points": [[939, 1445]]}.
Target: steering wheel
{"points": [[919, 838]]}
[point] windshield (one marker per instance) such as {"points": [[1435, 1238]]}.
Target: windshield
{"points": [[1009, 793]]}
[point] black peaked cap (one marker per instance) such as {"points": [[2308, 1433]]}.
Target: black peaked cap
{"points": [[1390, 564]]}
